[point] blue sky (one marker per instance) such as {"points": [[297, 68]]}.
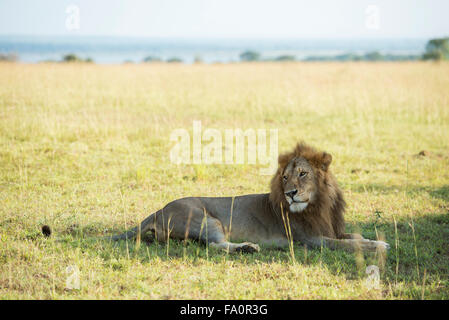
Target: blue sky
{"points": [[230, 18]]}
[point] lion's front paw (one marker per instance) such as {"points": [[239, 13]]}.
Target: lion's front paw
{"points": [[248, 247], [373, 245], [383, 245]]}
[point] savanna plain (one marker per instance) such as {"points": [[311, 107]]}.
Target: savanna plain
{"points": [[84, 148]]}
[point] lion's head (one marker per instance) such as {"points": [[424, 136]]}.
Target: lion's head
{"points": [[304, 187]]}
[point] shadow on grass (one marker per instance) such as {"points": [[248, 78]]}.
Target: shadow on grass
{"points": [[440, 193], [418, 245], [436, 193]]}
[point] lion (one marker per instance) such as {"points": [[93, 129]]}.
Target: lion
{"points": [[305, 205]]}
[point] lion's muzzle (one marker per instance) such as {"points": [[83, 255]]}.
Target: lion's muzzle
{"points": [[297, 202]]}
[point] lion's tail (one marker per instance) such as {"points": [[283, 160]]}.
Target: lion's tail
{"points": [[141, 229], [128, 235]]}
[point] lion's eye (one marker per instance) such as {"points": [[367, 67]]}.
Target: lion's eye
{"points": [[285, 178], [303, 174]]}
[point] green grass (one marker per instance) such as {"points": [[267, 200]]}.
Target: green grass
{"points": [[85, 149]]}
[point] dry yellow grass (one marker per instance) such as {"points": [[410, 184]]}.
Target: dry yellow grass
{"points": [[85, 149]]}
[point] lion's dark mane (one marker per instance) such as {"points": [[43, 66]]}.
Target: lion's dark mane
{"points": [[325, 215]]}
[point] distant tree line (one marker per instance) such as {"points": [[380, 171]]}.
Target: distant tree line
{"points": [[370, 56], [436, 49], [157, 59], [149, 59], [250, 56], [70, 57]]}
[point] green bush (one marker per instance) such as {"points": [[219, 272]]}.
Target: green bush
{"points": [[285, 58], [71, 57], [174, 60], [249, 56], [152, 59], [437, 49]]}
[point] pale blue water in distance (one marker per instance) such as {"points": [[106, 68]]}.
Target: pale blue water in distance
{"points": [[120, 49]]}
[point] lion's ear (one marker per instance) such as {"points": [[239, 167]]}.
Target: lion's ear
{"points": [[326, 161]]}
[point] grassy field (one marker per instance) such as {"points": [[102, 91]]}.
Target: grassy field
{"points": [[85, 149]]}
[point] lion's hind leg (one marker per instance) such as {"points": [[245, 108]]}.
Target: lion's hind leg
{"points": [[211, 232], [188, 219]]}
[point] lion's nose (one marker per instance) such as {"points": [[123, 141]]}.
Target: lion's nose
{"points": [[291, 193]]}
